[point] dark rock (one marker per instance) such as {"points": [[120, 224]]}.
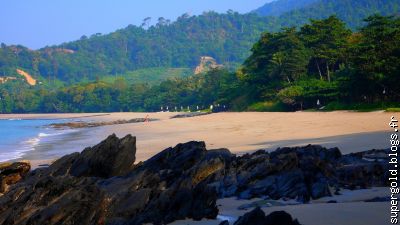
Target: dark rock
{"points": [[192, 114], [83, 124], [102, 185], [320, 189], [88, 188], [254, 217], [225, 222], [331, 201], [257, 217], [11, 173], [281, 218], [112, 157]]}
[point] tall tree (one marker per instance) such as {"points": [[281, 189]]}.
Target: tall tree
{"points": [[328, 41]]}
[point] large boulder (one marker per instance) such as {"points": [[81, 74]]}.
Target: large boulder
{"points": [[164, 188], [254, 217], [112, 157]]}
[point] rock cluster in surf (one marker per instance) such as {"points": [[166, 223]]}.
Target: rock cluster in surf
{"points": [[257, 217]]}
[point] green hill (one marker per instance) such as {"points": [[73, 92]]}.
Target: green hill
{"points": [[278, 7], [352, 12], [226, 37]]}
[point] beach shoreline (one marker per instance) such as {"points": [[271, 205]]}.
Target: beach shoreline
{"points": [[239, 132]]}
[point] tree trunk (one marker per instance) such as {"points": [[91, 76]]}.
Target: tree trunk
{"points": [[287, 77], [327, 72], [319, 70]]}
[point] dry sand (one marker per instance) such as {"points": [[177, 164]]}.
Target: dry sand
{"points": [[239, 132], [243, 132]]}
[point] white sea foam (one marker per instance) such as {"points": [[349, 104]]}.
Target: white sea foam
{"points": [[226, 217], [44, 135], [29, 145]]}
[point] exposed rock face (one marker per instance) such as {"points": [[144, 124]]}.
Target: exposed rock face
{"points": [[112, 157], [302, 173], [11, 173], [102, 185], [78, 189], [257, 217], [207, 63], [364, 169]]}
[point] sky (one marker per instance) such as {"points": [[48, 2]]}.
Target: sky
{"points": [[39, 23]]}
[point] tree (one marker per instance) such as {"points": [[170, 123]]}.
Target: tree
{"points": [[376, 58], [146, 22], [292, 95], [161, 22], [276, 58], [328, 40]]}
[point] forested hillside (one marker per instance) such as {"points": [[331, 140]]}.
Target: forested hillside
{"points": [[352, 12], [225, 37], [180, 44], [323, 65], [278, 7]]}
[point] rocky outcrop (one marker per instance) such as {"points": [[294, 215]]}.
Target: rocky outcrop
{"points": [[87, 187], [207, 63], [11, 173], [301, 173], [192, 114], [102, 185], [77, 125], [112, 157]]}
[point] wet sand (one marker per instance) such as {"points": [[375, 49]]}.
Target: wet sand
{"points": [[350, 210]]}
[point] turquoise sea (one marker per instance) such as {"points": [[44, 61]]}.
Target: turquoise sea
{"points": [[19, 138]]}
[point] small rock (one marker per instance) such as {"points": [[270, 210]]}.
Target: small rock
{"points": [[257, 217], [225, 222], [254, 217]]}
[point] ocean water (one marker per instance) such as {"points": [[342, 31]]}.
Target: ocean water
{"points": [[21, 137]]}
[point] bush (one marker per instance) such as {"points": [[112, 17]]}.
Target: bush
{"points": [[363, 107], [268, 106], [392, 110]]}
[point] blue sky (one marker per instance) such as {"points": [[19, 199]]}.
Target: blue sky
{"points": [[37, 23]]}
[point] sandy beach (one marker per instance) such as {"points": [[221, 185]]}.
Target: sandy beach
{"points": [[239, 132]]}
